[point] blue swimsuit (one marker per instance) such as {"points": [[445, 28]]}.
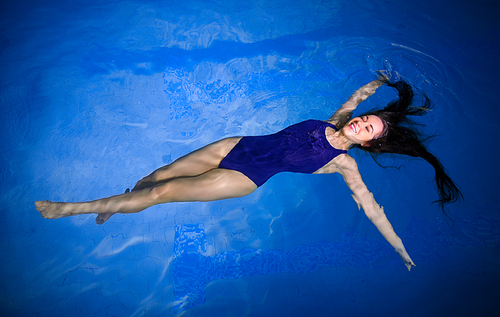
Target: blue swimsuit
{"points": [[300, 148]]}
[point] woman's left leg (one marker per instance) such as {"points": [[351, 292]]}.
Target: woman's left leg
{"points": [[213, 185], [192, 164]]}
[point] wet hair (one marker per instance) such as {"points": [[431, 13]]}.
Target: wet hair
{"points": [[400, 136]]}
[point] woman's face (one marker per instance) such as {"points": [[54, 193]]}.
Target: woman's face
{"points": [[363, 129]]}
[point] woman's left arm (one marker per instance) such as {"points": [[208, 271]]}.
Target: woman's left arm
{"points": [[348, 168], [343, 114]]}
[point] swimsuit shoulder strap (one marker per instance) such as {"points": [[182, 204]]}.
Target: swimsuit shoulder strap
{"points": [[329, 124]]}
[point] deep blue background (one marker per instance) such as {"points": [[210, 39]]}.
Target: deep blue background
{"points": [[95, 95]]}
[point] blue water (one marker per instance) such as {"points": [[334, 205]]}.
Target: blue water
{"points": [[94, 95]]}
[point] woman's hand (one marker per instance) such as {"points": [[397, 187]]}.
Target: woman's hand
{"points": [[383, 76], [388, 75], [406, 258]]}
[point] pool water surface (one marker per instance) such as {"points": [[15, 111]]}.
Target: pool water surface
{"points": [[95, 95]]}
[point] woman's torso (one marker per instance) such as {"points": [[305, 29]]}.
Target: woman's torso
{"points": [[300, 148]]}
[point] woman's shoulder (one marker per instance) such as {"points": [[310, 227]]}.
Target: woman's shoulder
{"points": [[339, 164], [345, 162]]}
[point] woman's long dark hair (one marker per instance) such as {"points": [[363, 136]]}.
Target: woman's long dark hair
{"points": [[400, 136]]}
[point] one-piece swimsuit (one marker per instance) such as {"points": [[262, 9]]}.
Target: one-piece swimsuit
{"points": [[300, 148]]}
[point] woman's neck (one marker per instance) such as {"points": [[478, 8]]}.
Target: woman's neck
{"points": [[337, 139]]}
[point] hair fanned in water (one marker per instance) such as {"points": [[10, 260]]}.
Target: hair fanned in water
{"points": [[402, 137]]}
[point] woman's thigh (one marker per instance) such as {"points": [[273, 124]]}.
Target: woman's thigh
{"points": [[199, 161], [215, 184]]}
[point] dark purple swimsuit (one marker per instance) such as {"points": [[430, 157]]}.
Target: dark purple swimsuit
{"points": [[300, 148]]}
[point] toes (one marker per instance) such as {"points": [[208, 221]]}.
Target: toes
{"points": [[98, 220], [41, 205], [102, 218]]}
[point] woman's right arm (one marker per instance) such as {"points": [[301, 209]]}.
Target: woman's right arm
{"points": [[348, 168], [343, 114]]}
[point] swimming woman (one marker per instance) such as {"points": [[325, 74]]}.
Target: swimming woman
{"points": [[235, 167]]}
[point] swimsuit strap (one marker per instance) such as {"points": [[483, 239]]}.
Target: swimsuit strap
{"points": [[333, 126]]}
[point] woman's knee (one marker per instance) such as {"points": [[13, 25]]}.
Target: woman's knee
{"points": [[160, 174], [160, 193]]}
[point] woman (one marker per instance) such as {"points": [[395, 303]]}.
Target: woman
{"points": [[235, 167]]}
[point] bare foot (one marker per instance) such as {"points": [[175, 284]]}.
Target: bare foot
{"points": [[50, 210], [102, 218]]}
